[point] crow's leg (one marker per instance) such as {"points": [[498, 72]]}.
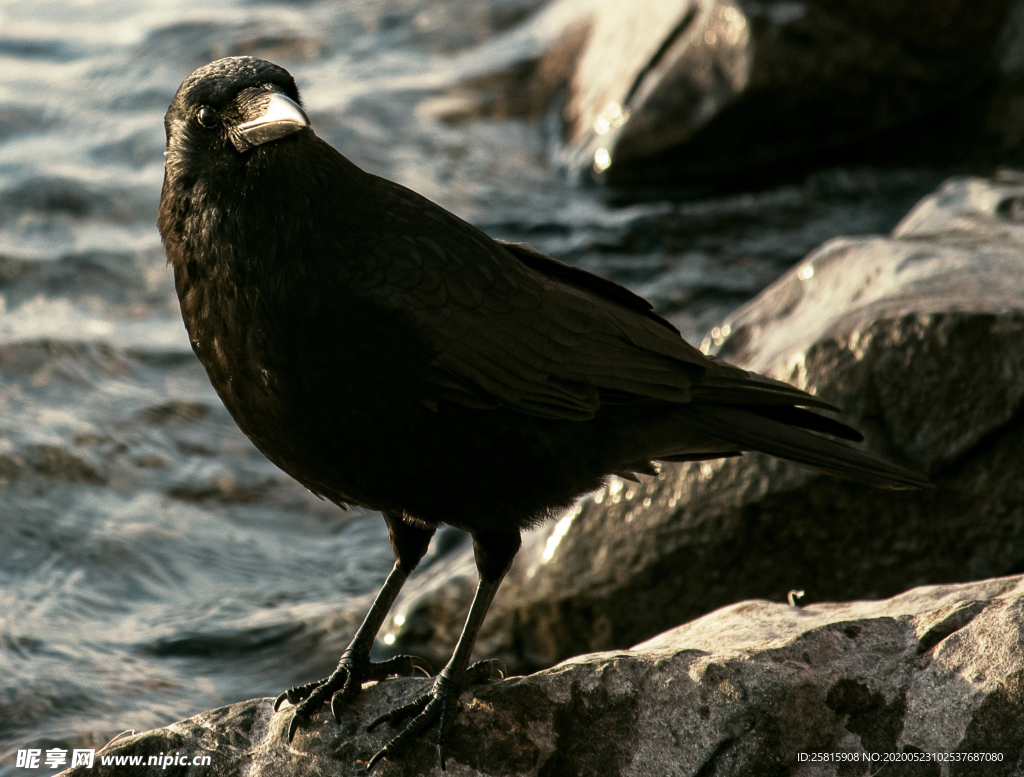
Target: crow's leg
{"points": [[409, 543], [494, 552]]}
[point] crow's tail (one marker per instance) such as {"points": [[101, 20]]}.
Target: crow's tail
{"points": [[750, 431]]}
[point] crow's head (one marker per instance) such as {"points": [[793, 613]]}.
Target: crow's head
{"points": [[226, 109]]}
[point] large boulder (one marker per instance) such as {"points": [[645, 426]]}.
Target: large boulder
{"points": [[929, 682], [731, 85], [699, 91], [918, 337]]}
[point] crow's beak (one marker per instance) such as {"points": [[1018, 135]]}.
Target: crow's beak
{"points": [[281, 117]]}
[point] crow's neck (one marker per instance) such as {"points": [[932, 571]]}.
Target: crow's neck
{"points": [[244, 242]]}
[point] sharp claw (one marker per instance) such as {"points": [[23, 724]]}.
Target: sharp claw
{"points": [[403, 666], [373, 761], [295, 695], [293, 726], [340, 698], [444, 725], [486, 670], [421, 665]]}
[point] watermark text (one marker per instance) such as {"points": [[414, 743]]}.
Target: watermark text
{"points": [[56, 757]]}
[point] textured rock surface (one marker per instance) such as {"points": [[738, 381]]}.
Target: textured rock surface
{"points": [[745, 690], [917, 336]]}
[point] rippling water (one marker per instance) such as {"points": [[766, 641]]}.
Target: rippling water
{"points": [[152, 563]]}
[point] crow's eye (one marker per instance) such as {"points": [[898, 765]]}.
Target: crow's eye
{"points": [[208, 117]]}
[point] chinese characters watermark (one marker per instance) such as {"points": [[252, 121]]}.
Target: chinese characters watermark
{"points": [[56, 757]]}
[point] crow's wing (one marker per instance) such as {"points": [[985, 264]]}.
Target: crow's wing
{"points": [[512, 327]]}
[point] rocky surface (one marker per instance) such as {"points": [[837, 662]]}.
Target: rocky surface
{"points": [[737, 85], [917, 336], [697, 91], [754, 688]]}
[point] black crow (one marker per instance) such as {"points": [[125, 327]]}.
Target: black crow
{"points": [[385, 353]]}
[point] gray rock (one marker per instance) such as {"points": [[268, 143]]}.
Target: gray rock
{"points": [[754, 688], [704, 89], [697, 91], [918, 337]]}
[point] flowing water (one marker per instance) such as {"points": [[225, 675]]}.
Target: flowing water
{"points": [[152, 563]]}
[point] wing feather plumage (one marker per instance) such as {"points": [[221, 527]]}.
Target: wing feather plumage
{"points": [[512, 327]]}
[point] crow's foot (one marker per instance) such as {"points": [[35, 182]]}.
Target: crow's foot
{"points": [[439, 705], [344, 685]]}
